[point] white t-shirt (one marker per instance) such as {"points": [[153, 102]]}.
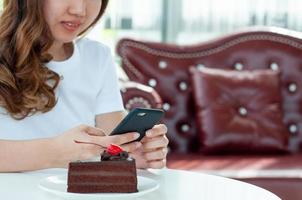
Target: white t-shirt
{"points": [[88, 87]]}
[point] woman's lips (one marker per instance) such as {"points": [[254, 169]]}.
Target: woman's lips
{"points": [[71, 26]]}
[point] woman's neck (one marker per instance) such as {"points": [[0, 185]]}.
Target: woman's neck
{"points": [[61, 51]]}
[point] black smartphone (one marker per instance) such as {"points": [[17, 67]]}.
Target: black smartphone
{"points": [[139, 120]]}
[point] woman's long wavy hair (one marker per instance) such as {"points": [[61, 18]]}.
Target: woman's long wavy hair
{"points": [[27, 86]]}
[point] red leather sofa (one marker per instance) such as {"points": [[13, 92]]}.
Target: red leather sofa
{"points": [[161, 78]]}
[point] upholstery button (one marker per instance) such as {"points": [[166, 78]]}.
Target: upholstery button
{"points": [[274, 66], [185, 128], [128, 106], [166, 106], [183, 86], [292, 87], [200, 66], [293, 128], [162, 64], [131, 101], [242, 111], [238, 66], [152, 82]]}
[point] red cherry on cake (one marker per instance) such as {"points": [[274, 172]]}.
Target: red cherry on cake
{"points": [[113, 149]]}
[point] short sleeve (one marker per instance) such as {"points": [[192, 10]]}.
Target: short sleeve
{"points": [[109, 97]]}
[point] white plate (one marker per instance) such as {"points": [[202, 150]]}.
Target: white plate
{"points": [[58, 185]]}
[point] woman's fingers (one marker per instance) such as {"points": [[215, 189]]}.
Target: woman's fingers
{"points": [[87, 150], [157, 164], [105, 141], [123, 138], [158, 154], [131, 146], [92, 151], [94, 144], [93, 130], [157, 130], [150, 152], [155, 146], [154, 143]]}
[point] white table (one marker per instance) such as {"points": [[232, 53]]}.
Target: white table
{"points": [[174, 185]]}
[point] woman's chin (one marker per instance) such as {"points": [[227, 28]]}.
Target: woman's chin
{"points": [[65, 40]]}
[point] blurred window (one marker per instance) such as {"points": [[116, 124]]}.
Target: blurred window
{"points": [[190, 21]]}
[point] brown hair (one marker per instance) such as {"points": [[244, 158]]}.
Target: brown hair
{"points": [[26, 84]]}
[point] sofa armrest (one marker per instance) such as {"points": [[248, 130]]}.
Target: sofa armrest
{"points": [[138, 95]]}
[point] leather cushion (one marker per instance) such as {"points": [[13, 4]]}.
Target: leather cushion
{"points": [[239, 111]]}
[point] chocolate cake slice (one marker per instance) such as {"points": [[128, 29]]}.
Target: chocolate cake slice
{"points": [[115, 173]]}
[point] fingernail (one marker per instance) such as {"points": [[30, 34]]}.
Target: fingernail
{"points": [[136, 135], [149, 133]]}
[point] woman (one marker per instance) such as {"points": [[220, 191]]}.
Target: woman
{"points": [[58, 94]]}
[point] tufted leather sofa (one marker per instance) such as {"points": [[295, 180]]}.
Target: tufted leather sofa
{"points": [[156, 64]]}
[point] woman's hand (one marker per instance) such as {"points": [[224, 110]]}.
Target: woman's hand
{"points": [[153, 152], [86, 142]]}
